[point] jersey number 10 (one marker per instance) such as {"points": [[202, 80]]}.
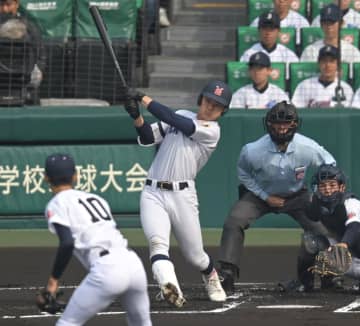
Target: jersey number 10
{"points": [[96, 209]]}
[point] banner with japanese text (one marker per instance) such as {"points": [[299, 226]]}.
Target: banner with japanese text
{"points": [[116, 172]]}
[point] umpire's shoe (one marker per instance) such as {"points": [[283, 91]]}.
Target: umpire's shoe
{"points": [[227, 277], [171, 294], [295, 286], [331, 283], [213, 287]]}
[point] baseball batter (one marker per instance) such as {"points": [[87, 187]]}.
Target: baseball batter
{"points": [[169, 199], [85, 226]]}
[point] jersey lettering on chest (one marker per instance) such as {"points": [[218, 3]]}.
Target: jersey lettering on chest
{"points": [[96, 209]]}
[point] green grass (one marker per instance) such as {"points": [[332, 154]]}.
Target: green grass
{"points": [[211, 237]]}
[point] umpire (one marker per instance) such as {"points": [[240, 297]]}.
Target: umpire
{"points": [[272, 174]]}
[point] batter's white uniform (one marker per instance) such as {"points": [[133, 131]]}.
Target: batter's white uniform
{"points": [[311, 93], [280, 54], [248, 97], [177, 161], [118, 273], [356, 100], [351, 20], [293, 19]]}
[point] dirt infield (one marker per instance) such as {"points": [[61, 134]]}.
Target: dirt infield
{"points": [[257, 300]]}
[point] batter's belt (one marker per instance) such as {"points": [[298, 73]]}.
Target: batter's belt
{"points": [[165, 185]]}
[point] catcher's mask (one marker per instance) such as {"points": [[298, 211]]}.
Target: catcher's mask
{"points": [[280, 113], [218, 91], [328, 172]]}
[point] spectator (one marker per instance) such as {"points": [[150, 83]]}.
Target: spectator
{"points": [[355, 103], [351, 18], [260, 94], [288, 17], [10, 8], [269, 28], [321, 91], [330, 18]]}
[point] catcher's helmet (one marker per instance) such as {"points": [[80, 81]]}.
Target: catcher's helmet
{"points": [[328, 172], [218, 91], [282, 112]]}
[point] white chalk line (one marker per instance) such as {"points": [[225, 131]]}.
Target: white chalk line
{"points": [[224, 308], [288, 306], [349, 308]]}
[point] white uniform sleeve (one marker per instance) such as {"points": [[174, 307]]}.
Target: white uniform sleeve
{"points": [[158, 129], [310, 54], [356, 100], [299, 99], [352, 206], [206, 133], [246, 56], [55, 213], [238, 99], [255, 22], [316, 21], [348, 94]]}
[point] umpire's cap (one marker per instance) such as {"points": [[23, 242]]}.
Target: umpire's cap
{"points": [[269, 19], [218, 91], [59, 166]]}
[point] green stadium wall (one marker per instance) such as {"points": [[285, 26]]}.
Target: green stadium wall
{"points": [[110, 163]]}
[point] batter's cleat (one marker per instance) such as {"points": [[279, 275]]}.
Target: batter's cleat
{"points": [[170, 293], [213, 287]]}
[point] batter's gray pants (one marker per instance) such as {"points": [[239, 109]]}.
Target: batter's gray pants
{"points": [[247, 210]]}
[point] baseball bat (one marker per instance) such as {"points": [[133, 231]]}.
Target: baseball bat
{"points": [[101, 27]]}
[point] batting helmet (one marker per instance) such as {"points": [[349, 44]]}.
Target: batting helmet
{"points": [[282, 112], [218, 91]]}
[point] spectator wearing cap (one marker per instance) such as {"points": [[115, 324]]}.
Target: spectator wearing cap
{"points": [[288, 17], [351, 18], [320, 91], [260, 94], [269, 28], [330, 18]]}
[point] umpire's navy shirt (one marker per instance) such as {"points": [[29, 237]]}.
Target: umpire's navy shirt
{"points": [[265, 171]]}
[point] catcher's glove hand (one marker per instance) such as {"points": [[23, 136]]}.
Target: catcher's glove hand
{"points": [[48, 302], [335, 261], [134, 94], [132, 108]]}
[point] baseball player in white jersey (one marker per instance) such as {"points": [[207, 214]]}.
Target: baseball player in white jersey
{"points": [[320, 91], [331, 17], [288, 17], [269, 28], [351, 18], [85, 226], [260, 94], [169, 198], [355, 103]]}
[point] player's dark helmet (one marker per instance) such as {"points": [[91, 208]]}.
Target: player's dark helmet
{"points": [[218, 91], [282, 112], [328, 172]]}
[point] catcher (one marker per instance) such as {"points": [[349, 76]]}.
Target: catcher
{"points": [[339, 211]]}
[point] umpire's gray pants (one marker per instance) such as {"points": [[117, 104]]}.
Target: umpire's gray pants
{"points": [[248, 209]]}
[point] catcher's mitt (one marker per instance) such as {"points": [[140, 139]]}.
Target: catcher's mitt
{"points": [[334, 261], [48, 302]]}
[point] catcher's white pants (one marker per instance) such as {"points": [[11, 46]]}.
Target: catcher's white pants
{"points": [[118, 274], [163, 210]]}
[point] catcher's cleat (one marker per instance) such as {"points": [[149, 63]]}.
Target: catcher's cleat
{"points": [[213, 287], [331, 283], [295, 286], [170, 293]]}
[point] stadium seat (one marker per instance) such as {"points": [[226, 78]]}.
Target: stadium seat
{"points": [[303, 70], [237, 74], [247, 36], [54, 18], [256, 7], [356, 76], [310, 35]]}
